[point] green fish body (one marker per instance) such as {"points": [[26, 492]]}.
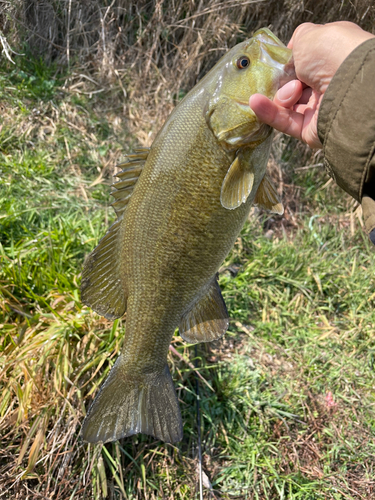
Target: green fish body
{"points": [[180, 207]]}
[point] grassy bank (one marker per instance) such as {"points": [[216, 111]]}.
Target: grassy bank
{"points": [[287, 399]]}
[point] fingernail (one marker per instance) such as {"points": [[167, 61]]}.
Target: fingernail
{"points": [[287, 91]]}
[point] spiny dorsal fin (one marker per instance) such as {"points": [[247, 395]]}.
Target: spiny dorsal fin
{"points": [[208, 319], [267, 196], [237, 184], [101, 287], [132, 169]]}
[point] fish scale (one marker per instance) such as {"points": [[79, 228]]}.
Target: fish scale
{"points": [[176, 224]]}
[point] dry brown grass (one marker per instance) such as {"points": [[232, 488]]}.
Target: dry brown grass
{"points": [[157, 50]]}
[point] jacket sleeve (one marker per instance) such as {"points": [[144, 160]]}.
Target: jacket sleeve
{"points": [[346, 128]]}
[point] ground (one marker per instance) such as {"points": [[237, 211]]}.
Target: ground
{"points": [[286, 397]]}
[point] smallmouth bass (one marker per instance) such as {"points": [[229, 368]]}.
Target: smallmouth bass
{"points": [[180, 206]]}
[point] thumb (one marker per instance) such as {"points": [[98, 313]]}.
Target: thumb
{"points": [[289, 94]]}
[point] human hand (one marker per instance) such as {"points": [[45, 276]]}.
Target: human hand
{"points": [[318, 51]]}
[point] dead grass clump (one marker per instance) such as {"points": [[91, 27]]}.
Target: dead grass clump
{"points": [[158, 50]]}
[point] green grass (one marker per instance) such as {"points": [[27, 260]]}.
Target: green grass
{"points": [[290, 412]]}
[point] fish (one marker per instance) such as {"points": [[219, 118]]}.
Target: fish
{"points": [[180, 205]]}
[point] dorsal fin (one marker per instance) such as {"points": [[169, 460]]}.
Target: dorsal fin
{"points": [[101, 287], [132, 169], [267, 196]]}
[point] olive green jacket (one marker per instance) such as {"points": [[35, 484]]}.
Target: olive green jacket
{"points": [[346, 128]]}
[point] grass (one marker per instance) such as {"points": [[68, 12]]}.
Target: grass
{"points": [[288, 411]]}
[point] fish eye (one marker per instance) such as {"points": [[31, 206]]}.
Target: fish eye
{"points": [[243, 62]]}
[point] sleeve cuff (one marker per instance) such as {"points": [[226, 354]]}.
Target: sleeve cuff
{"points": [[346, 121]]}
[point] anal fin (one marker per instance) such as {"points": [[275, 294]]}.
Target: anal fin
{"points": [[267, 197], [208, 319]]}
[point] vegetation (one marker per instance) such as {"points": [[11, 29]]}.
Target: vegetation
{"points": [[287, 400]]}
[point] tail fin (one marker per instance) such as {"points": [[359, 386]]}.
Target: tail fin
{"points": [[129, 403]]}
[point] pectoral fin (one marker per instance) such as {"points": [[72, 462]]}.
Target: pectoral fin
{"points": [[266, 196], [208, 319], [237, 184]]}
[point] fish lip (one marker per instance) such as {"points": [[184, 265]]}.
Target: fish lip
{"points": [[261, 132], [246, 107]]}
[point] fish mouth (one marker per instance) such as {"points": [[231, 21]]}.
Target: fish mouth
{"points": [[245, 133], [245, 106]]}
